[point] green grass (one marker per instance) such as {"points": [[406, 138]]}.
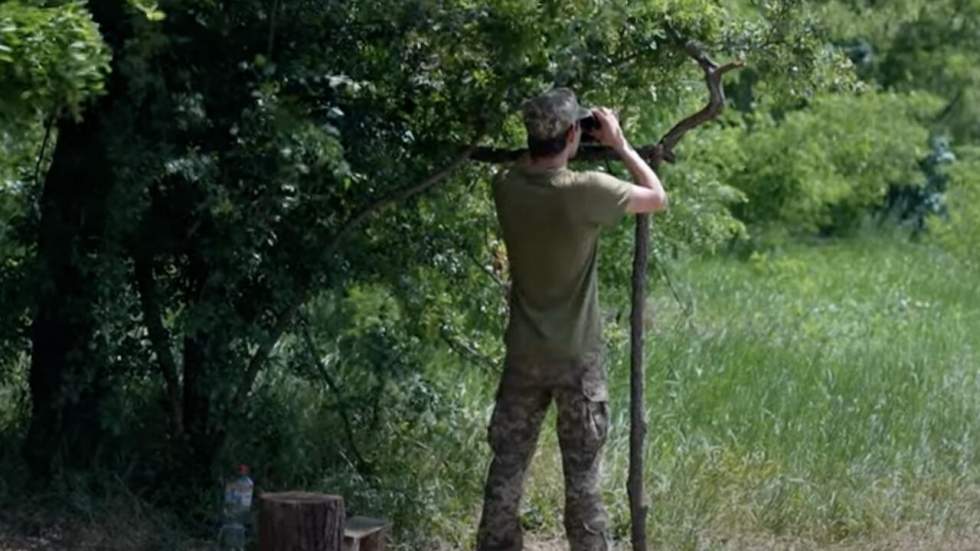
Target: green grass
{"points": [[827, 393]]}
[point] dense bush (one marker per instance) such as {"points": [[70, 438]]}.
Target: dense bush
{"points": [[827, 166], [958, 228]]}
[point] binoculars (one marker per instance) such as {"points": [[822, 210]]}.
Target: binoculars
{"points": [[590, 124]]}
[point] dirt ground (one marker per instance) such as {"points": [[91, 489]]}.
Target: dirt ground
{"points": [[51, 542], [59, 537], [897, 542]]}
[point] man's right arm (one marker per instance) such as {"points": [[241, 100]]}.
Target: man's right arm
{"points": [[647, 194]]}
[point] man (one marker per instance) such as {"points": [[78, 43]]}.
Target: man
{"points": [[551, 217]]}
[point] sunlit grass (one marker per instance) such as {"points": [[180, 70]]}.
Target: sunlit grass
{"points": [[825, 392]]}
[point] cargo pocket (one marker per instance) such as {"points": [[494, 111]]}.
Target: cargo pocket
{"points": [[595, 392], [597, 419]]}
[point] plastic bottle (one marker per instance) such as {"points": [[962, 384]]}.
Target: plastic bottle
{"points": [[238, 503]]}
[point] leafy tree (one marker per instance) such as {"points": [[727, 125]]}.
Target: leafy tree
{"points": [[931, 47], [244, 156], [51, 58]]}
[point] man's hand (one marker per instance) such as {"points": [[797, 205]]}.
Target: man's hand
{"points": [[609, 133], [648, 194]]}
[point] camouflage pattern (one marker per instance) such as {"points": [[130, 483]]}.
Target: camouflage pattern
{"points": [[549, 115], [527, 387]]}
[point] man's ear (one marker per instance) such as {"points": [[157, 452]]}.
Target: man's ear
{"points": [[570, 134]]}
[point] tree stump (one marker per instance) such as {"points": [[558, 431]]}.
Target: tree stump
{"points": [[301, 521]]}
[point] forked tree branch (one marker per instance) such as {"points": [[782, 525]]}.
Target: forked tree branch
{"points": [[656, 153], [662, 151]]}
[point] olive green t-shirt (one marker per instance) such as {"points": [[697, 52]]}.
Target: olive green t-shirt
{"points": [[551, 221]]}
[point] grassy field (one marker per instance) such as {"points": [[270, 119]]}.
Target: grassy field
{"points": [[824, 396], [817, 396]]}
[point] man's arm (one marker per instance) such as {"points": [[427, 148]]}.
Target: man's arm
{"points": [[648, 193]]}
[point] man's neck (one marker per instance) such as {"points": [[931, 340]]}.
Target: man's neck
{"points": [[549, 163]]}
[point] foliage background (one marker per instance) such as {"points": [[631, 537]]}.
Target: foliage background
{"points": [[200, 265]]}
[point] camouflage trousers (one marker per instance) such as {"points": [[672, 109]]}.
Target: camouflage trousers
{"points": [[527, 388]]}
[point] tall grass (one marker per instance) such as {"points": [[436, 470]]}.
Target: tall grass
{"points": [[823, 392]]}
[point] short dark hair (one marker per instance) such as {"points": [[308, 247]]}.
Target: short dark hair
{"points": [[549, 147]]}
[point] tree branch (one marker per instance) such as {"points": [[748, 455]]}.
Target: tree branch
{"points": [[285, 317], [638, 424], [362, 466], [270, 43], [656, 153], [476, 262], [159, 338], [713, 74], [398, 197], [44, 146], [466, 351], [255, 363]]}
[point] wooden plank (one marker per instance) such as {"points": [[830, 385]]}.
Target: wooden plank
{"points": [[365, 534], [358, 527]]}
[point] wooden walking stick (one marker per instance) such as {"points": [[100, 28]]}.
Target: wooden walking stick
{"points": [[662, 151]]}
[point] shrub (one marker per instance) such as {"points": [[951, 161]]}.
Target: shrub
{"points": [[822, 168]]}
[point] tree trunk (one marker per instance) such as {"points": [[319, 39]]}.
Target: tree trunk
{"points": [[159, 338], [301, 521], [203, 426], [65, 379]]}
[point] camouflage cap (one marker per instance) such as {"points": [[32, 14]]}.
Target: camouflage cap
{"points": [[549, 115]]}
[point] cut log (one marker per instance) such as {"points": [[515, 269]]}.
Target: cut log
{"points": [[365, 534], [301, 521]]}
